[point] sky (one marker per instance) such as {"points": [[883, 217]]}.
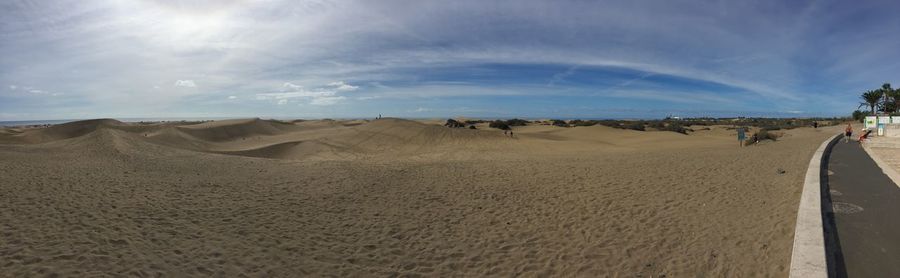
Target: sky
{"points": [[427, 59]]}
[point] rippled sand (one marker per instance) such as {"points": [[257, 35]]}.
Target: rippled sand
{"points": [[395, 197]]}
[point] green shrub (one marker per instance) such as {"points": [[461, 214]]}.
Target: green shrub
{"points": [[639, 126], [610, 123], [582, 122], [454, 123], [659, 125], [560, 123], [499, 125], [516, 122], [675, 127]]}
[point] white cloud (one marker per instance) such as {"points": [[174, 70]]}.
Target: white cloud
{"points": [[559, 77], [324, 101], [319, 96], [420, 110], [232, 97], [291, 86], [341, 86], [34, 91], [12, 87], [297, 94], [185, 83]]}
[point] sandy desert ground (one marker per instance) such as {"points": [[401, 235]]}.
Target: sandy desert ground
{"points": [[395, 197]]}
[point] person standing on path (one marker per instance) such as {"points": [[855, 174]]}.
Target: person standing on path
{"points": [[847, 133]]}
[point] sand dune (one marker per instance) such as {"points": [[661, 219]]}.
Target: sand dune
{"points": [[236, 129], [281, 140], [308, 139], [394, 197], [59, 132]]}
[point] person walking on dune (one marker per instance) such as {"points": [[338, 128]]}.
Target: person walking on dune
{"points": [[847, 133]]}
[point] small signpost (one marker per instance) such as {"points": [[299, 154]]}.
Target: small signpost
{"points": [[870, 121], [741, 136]]}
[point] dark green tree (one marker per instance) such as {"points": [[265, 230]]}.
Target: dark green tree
{"points": [[871, 99], [891, 97], [859, 115]]}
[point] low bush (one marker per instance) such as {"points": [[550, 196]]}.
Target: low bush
{"points": [[560, 123], [675, 127], [761, 135], [499, 125], [639, 126], [658, 125], [582, 123], [454, 123], [517, 122], [610, 123]]}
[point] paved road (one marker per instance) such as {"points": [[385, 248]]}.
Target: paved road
{"points": [[866, 215]]}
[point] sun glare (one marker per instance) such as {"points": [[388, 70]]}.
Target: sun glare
{"points": [[174, 26]]}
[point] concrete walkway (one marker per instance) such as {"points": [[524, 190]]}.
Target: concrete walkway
{"points": [[864, 222]]}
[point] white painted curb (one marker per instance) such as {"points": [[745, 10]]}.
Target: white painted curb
{"points": [[886, 168], [808, 255]]}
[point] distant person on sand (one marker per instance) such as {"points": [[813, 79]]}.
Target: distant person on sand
{"points": [[847, 133], [815, 124]]}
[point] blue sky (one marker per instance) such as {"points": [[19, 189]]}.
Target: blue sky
{"points": [[344, 59]]}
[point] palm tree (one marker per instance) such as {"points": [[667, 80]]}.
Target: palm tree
{"points": [[891, 98], [871, 99]]}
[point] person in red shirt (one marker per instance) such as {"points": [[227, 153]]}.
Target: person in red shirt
{"points": [[847, 133]]}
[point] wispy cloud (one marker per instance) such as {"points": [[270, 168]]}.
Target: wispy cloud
{"points": [[325, 101], [321, 96], [185, 83], [562, 75], [785, 55], [341, 86]]}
